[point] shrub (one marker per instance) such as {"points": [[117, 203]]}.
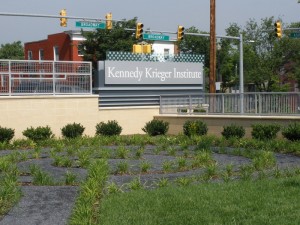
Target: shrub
{"points": [[6, 134], [233, 131], [38, 134], [156, 127], [72, 130], [292, 132], [196, 127], [264, 131], [108, 129]]}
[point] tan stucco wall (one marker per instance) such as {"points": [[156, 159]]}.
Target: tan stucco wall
{"points": [[22, 112], [215, 123]]}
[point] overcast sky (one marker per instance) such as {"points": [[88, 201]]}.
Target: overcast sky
{"points": [[163, 15]]}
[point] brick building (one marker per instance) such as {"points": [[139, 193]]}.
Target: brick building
{"points": [[58, 47]]}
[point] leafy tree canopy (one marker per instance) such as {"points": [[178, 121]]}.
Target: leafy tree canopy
{"points": [[14, 50]]}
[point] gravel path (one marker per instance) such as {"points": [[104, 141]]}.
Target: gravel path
{"points": [[42, 205]]}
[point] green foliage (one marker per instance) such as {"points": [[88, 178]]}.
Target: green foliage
{"points": [[233, 131], [72, 130], [292, 132], [265, 131], [156, 127], [108, 129], [38, 134], [264, 160], [195, 127], [100, 41], [14, 50], [6, 134]]}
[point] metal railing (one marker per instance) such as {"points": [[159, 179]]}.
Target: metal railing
{"points": [[258, 103], [30, 77]]}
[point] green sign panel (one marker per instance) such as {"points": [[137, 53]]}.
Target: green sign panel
{"points": [[89, 24], [156, 37], [295, 35]]}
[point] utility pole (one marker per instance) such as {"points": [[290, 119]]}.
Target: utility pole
{"points": [[212, 52]]}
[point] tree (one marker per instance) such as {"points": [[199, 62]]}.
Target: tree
{"points": [[100, 41], [12, 51]]}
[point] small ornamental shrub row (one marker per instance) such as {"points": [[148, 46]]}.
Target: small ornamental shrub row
{"points": [[158, 127]]}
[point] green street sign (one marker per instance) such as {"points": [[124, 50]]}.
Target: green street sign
{"points": [[295, 35], [156, 37], [89, 24]]}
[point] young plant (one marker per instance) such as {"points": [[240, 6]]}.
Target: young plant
{"points": [[41, 178], [139, 152], [211, 172], [182, 163], [246, 172], [145, 166], [70, 178], [183, 181], [122, 167], [162, 182], [113, 188], [122, 152], [264, 160], [136, 184], [167, 166], [202, 159]]}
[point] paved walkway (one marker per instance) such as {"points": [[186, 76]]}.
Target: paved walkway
{"points": [[42, 205]]}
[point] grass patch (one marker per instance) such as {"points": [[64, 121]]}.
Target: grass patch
{"points": [[267, 201]]}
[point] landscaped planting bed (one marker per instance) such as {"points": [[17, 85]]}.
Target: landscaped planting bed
{"points": [[100, 170]]}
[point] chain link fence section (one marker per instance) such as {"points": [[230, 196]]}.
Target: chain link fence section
{"points": [[30, 77]]}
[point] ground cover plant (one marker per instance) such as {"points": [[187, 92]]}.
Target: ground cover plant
{"points": [[140, 165], [249, 202]]}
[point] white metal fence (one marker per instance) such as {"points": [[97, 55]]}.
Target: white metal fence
{"points": [[23, 77], [258, 103]]}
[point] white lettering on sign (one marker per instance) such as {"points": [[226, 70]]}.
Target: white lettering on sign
{"points": [[124, 73], [153, 73], [186, 74]]}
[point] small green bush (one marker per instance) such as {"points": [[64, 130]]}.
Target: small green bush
{"points": [[265, 131], [156, 127], [108, 129], [72, 130], [292, 132], [233, 131], [6, 134], [195, 127], [38, 134]]}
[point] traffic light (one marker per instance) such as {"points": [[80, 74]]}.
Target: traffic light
{"points": [[63, 20], [139, 30], [180, 33], [108, 18], [278, 29]]}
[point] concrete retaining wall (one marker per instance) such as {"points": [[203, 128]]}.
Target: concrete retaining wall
{"points": [[22, 112]]}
